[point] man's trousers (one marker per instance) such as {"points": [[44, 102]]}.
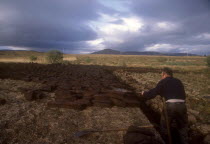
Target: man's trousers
{"points": [[178, 122]]}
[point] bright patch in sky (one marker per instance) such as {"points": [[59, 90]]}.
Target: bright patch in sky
{"points": [[166, 26], [161, 47], [95, 42], [115, 28], [133, 24], [98, 44], [13, 48], [204, 36], [113, 24]]}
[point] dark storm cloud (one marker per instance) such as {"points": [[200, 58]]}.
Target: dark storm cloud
{"points": [[192, 18], [171, 9], [47, 23]]}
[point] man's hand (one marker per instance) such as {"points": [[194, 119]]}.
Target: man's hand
{"points": [[141, 96], [141, 93]]}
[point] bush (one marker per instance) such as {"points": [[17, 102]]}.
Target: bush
{"points": [[88, 59], [208, 60], [33, 58], [54, 56]]}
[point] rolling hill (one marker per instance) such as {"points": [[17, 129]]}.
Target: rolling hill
{"points": [[107, 51], [114, 52]]}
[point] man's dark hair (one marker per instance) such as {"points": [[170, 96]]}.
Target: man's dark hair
{"points": [[167, 71]]}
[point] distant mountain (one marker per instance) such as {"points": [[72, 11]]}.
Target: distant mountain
{"points": [[114, 52], [107, 51], [141, 53], [180, 54]]}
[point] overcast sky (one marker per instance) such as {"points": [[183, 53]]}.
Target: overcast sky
{"points": [[85, 26]]}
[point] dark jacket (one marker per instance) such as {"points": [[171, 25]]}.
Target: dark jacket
{"points": [[169, 88]]}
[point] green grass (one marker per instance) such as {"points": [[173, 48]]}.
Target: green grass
{"points": [[139, 61], [177, 62]]}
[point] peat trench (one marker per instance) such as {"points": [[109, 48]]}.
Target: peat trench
{"points": [[78, 87]]}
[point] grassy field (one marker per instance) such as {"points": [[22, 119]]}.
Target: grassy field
{"points": [[191, 63], [24, 56]]}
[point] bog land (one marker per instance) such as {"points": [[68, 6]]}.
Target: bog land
{"points": [[48, 103]]}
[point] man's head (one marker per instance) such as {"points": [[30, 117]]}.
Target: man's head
{"points": [[166, 72]]}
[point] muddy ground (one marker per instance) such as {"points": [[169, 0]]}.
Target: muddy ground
{"points": [[49, 103]]}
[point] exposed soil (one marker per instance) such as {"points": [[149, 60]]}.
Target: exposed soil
{"points": [[75, 87], [49, 103]]}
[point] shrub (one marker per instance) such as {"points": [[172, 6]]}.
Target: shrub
{"points": [[208, 60], [88, 59], [54, 56], [33, 58]]}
